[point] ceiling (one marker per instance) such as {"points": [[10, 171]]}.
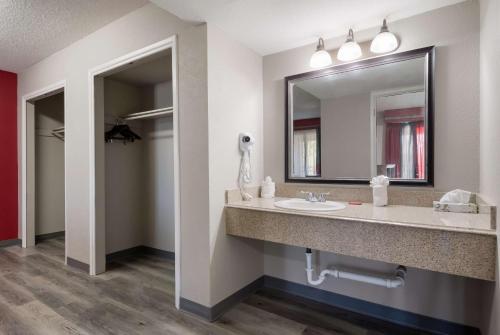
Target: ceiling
{"points": [[270, 26], [33, 30], [151, 70], [406, 73]]}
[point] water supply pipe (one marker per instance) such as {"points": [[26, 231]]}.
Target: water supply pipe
{"points": [[396, 281]]}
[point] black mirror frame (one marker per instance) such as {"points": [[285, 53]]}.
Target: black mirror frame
{"points": [[429, 54]]}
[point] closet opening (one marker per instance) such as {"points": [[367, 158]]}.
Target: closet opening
{"points": [[134, 131], [44, 178]]}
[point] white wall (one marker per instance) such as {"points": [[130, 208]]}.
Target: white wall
{"points": [[305, 105], [234, 106], [158, 157], [490, 138], [136, 30], [346, 137], [194, 174], [455, 32], [158, 184], [163, 94], [49, 166], [402, 100]]}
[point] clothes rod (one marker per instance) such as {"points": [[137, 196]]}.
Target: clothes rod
{"points": [[149, 114]]}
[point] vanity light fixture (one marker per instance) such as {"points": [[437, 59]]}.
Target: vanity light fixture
{"points": [[320, 57], [385, 41], [350, 50]]}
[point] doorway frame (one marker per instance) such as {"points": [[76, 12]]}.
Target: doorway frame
{"points": [[95, 224], [28, 226], [374, 95]]}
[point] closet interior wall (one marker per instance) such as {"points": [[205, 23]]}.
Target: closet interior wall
{"points": [[49, 166], [140, 175]]}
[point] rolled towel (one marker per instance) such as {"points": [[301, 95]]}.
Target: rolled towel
{"points": [[379, 181]]}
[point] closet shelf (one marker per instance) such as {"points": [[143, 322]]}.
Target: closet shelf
{"points": [[151, 114]]}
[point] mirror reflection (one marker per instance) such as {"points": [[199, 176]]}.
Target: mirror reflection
{"points": [[358, 123], [400, 134]]}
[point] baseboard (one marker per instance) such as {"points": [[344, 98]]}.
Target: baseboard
{"points": [[8, 243], [158, 252], [77, 264], [49, 236], [213, 313], [195, 308], [223, 306], [141, 249], [123, 253], [329, 299], [325, 301]]}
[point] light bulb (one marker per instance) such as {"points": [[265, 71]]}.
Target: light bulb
{"points": [[320, 57], [385, 41], [350, 50]]}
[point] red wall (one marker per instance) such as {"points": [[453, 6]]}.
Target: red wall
{"points": [[8, 156]]}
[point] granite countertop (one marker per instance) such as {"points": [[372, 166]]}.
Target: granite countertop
{"points": [[407, 216]]}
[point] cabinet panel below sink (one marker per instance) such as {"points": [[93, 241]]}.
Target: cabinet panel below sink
{"points": [[453, 252]]}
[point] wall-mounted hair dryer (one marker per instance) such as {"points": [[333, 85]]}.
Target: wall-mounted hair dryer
{"points": [[246, 142]]}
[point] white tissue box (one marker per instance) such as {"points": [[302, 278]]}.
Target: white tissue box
{"points": [[455, 208]]}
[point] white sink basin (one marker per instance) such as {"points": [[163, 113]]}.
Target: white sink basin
{"points": [[303, 205]]}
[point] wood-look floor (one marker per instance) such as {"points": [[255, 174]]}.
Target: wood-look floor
{"points": [[40, 295]]}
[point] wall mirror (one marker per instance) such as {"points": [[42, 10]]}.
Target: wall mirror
{"points": [[350, 122]]}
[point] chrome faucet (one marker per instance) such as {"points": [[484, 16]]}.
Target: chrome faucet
{"points": [[315, 197]]}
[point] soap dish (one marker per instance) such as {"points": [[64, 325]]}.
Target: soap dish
{"points": [[455, 208]]}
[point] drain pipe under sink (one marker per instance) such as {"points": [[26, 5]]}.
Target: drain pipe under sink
{"points": [[397, 281]]}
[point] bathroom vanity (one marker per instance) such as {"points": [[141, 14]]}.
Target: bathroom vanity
{"points": [[409, 235], [346, 124]]}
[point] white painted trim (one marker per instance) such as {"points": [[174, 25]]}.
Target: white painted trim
{"points": [[373, 118], [170, 42], [58, 86], [290, 134], [373, 134], [177, 170]]}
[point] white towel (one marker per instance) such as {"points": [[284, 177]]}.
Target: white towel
{"points": [[380, 195], [379, 186], [457, 196], [268, 188]]}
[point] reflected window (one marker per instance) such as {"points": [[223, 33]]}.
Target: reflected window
{"points": [[306, 140], [401, 133]]}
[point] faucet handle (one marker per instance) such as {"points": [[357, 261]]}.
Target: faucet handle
{"points": [[322, 196], [309, 196]]}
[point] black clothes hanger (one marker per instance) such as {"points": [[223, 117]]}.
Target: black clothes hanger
{"points": [[121, 132]]}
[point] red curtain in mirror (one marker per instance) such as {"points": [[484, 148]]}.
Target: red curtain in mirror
{"points": [[412, 121]]}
